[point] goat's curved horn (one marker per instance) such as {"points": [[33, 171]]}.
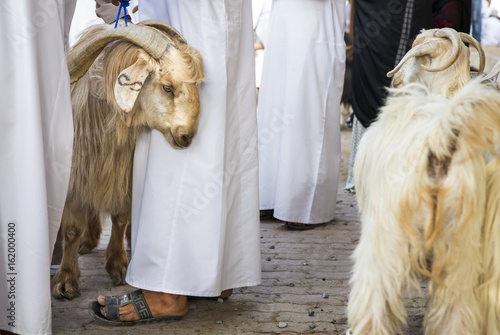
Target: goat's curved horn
{"points": [[427, 48], [472, 41], [168, 29], [81, 57], [430, 48], [495, 71], [456, 43]]}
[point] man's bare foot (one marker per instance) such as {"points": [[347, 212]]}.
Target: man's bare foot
{"points": [[160, 304]]}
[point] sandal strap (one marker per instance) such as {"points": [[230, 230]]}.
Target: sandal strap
{"points": [[140, 305], [136, 298], [113, 304]]}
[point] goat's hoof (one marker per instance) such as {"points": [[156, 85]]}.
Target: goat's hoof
{"points": [[65, 286], [117, 271], [85, 248]]}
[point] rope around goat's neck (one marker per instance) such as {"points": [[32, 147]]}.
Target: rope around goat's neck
{"points": [[123, 4]]}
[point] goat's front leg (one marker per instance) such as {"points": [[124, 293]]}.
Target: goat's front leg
{"points": [[65, 282], [116, 256], [380, 265]]}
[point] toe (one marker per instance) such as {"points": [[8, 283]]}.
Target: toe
{"points": [[101, 300]]}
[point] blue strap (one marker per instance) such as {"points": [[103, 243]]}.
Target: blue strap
{"points": [[123, 4]]}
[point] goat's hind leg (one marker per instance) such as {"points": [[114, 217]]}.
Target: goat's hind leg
{"points": [[116, 256], [92, 234], [65, 282], [454, 307], [380, 268]]}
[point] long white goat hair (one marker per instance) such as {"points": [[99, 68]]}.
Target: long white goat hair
{"points": [[421, 187], [491, 247], [491, 251]]}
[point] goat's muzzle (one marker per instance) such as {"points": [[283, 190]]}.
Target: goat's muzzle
{"points": [[181, 137]]}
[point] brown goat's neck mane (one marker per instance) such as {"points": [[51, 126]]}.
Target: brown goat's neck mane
{"points": [[103, 147]]}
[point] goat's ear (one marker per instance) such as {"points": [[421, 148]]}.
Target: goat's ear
{"points": [[129, 84]]}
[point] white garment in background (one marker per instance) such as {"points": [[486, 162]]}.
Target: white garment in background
{"points": [[195, 221], [490, 24], [36, 136], [490, 31], [261, 10], [495, 4], [85, 16], [347, 18], [299, 106]]}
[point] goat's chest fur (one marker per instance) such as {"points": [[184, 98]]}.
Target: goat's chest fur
{"points": [[101, 173]]}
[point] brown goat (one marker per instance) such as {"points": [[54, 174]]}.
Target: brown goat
{"points": [[148, 77]]}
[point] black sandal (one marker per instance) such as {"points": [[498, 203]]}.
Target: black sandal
{"points": [[301, 226], [113, 304]]}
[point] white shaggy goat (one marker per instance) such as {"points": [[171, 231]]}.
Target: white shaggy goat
{"points": [[435, 46], [147, 77], [422, 191], [421, 186]]}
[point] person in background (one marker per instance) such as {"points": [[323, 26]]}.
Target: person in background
{"points": [[383, 32], [455, 14], [490, 30], [195, 221], [299, 111], [36, 137]]}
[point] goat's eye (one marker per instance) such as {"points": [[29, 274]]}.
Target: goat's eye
{"points": [[168, 88]]}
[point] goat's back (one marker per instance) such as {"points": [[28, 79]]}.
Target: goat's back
{"points": [[421, 163]]}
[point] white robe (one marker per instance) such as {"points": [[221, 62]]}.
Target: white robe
{"points": [[299, 106], [195, 222], [261, 10], [36, 136]]}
